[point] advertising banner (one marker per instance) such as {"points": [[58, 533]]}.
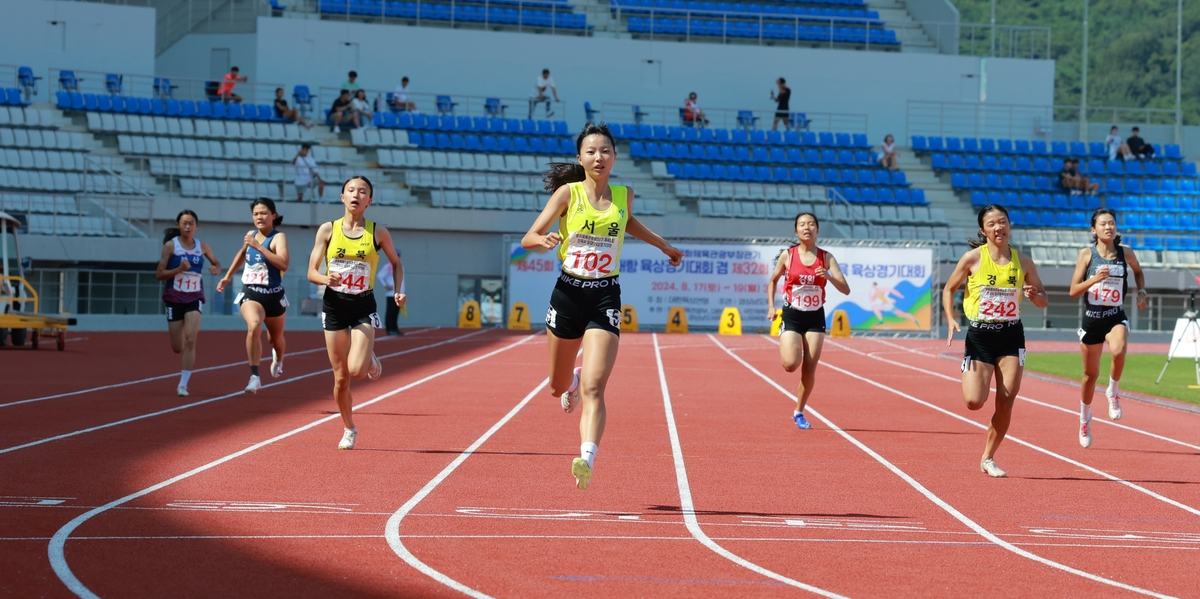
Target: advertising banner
{"points": [[889, 287]]}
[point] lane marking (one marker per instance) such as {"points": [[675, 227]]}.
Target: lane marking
{"points": [[392, 528], [175, 374], [1019, 396], [221, 397], [961, 517], [685, 494], [57, 548]]}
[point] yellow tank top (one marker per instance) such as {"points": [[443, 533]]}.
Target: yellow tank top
{"points": [[355, 259], [592, 239], [994, 291]]}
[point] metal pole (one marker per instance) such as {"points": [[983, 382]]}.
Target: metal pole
{"points": [[993, 51], [1178, 72], [1083, 83]]}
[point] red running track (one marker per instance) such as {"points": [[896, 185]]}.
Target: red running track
{"points": [[261, 504]]}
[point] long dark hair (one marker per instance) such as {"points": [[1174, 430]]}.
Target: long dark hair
{"points": [[979, 239], [270, 204], [562, 173], [370, 186], [796, 223], [1097, 214], [173, 232]]}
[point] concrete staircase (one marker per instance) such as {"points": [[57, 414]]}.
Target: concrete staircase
{"points": [[911, 34], [938, 192]]}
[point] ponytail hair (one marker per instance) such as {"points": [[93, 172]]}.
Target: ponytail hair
{"points": [[563, 173], [979, 239], [172, 232], [270, 204], [1097, 214]]}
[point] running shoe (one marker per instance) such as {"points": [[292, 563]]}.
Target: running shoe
{"points": [[801, 423], [1085, 434], [376, 368], [990, 468], [254, 384], [582, 473], [1114, 406], [571, 397], [348, 438], [276, 365], [181, 391]]}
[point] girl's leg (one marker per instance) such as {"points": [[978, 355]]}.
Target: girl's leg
{"points": [[562, 362], [813, 342], [1117, 338], [253, 314], [791, 350], [1008, 384], [175, 333], [599, 356], [191, 329], [337, 343], [1091, 371], [362, 350], [975, 383], [275, 335]]}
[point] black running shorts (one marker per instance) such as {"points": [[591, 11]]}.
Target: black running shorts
{"points": [[341, 311], [577, 305], [176, 311], [274, 304], [1094, 330], [802, 322], [987, 342]]}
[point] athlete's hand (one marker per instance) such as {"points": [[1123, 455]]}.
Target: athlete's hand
{"points": [[674, 254], [1030, 292], [222, 284], [1141, 300], [953, 327], [335, 279], [251, 240], [551, 240], [772, 314], [214, 269], [821, 271], [183, 267], [1101, 274], [401, 299]]}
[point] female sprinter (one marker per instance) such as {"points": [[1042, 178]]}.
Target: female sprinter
{"points": [[805, 268], [183, 293], [349, 247], [1106, 266], [585, 307], [265, 253], [996, 276]]}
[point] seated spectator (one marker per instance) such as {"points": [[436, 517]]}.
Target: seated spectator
{"points": [[1072, 181], [227, 84], [543, 83], [352, 84], [361, 107], [307, 176], [1114, 145], [693, 113], [282, 111], [400, 99], [887, 152], [342, 111], [1138, 147], [782, 110]]}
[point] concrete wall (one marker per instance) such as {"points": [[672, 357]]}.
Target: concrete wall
{"points": [[190, 57]]}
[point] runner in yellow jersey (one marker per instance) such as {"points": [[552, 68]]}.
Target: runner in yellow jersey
{"points": [[585, 307], [997, 276], [349, 249]]}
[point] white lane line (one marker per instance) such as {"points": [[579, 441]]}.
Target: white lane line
{"points": [[926, 492], [392, 529], [685, 493], [1021, 397], [57, 548], [221, 397], [173, 374]]}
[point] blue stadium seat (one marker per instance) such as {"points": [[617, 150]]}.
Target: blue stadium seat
{"points": [[1011, 198], [995, 197], [867, 195], [987, 146], [1004, 146], [992, 181], [919, 143], [959, 181], [1096, 149], [974, 163], [975, 181], [1021, 147], [1038, 148], [953, 144], [798, 174], [991, 163], [1059, 148], [1078, 150], [1008, 181], [1007, 164]]}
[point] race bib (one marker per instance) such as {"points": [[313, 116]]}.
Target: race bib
{"points": [[806, 298], [999, 304], [255, 274], [590, 256], [356, 276], [187, 282], [1109, 292]]}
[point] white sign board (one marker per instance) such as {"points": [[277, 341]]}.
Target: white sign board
{"points": [[1186, 339]]}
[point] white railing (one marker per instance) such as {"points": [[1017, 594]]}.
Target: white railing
{"points": [[730, 118]]}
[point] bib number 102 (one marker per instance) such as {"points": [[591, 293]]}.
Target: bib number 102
{"points": [[594, 261]]}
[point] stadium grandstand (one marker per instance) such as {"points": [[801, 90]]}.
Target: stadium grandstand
{"points": [[104, 137]]}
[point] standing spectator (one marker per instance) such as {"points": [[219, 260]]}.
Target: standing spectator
{"points": [[1138, 146], [361, 107], [543, 83], [400, 97], [352, 84], [282, 111], [227, 84], [386, 278], [307, 176], [782, 111], [342, 112], [887, 152], [692, 112]]}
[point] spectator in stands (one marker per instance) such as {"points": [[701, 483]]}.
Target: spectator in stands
{"points": [[1071, 180], [342, 111], [782, 112], [400, 97], [387, 279], [1138, 147], [307, 176], [361, 107], [282, 111], [1113, 144], [351, 85], [887, 152], [693, 114], [543, 83], [227, 84]]}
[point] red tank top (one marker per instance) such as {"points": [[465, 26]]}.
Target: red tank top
{"points": [[802, 289]]}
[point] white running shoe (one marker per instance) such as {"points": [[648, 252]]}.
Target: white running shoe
{"points": [[337, 129], [571, 397], [582, 472], [990, 468], [181, 391], [254, 384], [276, 365], [376, 368], [1085, 434], [348, 438], [1114, 406]]}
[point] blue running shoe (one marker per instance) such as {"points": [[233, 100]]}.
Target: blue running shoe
{"points": [[801, 423]]}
